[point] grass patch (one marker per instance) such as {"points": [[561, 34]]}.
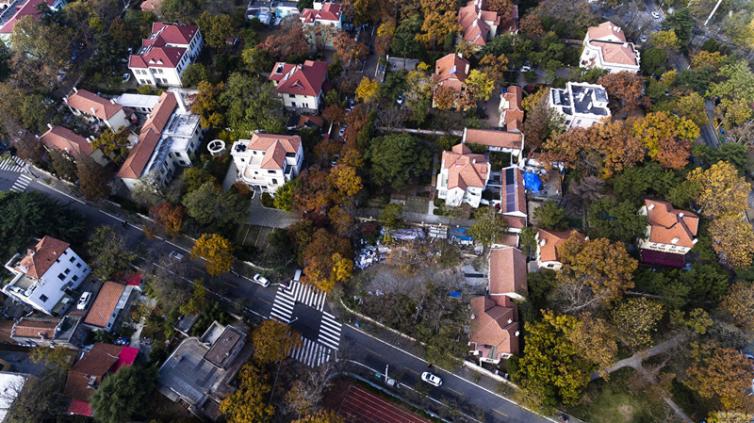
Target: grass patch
{"points": [[620, 401]]}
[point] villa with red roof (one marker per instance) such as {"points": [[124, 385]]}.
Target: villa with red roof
{"points": [[300, 86], [97, 109], [451, 72], [164, 55], [670, 233], [329, 14], [477, 25], [498, 141], [72, 144], [267, 161], [511, 111], [168, 139], [549, 244], [605, 47], [19, 9], [494, 317], [41, 276], [463, 176], [88, 373]]}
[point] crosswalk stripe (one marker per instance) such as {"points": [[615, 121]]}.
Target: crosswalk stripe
{"points": [[312, 353], [331, 324], [21, 183]]}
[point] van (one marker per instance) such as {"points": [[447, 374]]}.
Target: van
{"points": [[297, 275]]}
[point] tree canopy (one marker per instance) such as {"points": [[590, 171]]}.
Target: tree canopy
{"points": [[121, 396]]}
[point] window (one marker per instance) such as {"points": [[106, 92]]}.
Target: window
{"points": [[72, 259], [61, 276], [43, 298], [274, 181], [75, 278], [67, 271], [78, 265]]}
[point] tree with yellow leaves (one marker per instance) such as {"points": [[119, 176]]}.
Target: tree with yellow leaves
{"points": [[722, 374], [668, 138], [665, 40], [367, 90], [216, 250], [438, 27], [273, 341], [249, 402], [479, 86], [732, 240], [738, 303], [595, 339], [723, 191]]}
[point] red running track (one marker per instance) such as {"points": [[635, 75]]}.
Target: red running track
{"points": [[361, 406]]}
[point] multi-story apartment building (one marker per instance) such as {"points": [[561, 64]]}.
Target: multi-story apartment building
{"points": [[300, 86]]}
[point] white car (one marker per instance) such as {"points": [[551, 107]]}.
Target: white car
{"points": [[261, 280], [84, 301], [525, 68], [432, 379], [655, 14], [175, 255]]}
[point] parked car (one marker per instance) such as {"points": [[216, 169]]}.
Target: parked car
{"points": [[655, 14], [342, 131], [525, 68], [84, 301], [400, 100], [432, 379], [122, 341], [261, 280], [175, 255], [126, 77], [643, 38]]}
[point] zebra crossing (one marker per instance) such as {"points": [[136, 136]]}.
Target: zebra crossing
{"points": [[296, 292], [329, 331], [12, 165], [21, 183], [312, 354]]}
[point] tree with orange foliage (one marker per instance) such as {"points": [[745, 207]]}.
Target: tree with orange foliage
{"points": [[288, 43], [624, 88], [327, 260], [348, 50], [169, 217], [216, 250], [314, 193], [668, 138], [721, 374]]}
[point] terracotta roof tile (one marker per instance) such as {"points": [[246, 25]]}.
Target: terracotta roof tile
{"points": [[275, 148], [307, 79], [606, 31], [668, 224], [451, 71], [36, 328], [507, 272], [474, 23], [63, 139], [165, 46], [30, 8], [328, 12], [550, 241], [39, 259], [495, 324], [493, 138], [91, 104], [93, 366], [149, 137], [104, 304], [464, 168]]}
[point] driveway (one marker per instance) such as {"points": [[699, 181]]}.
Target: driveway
{"points": [[272, 218]]}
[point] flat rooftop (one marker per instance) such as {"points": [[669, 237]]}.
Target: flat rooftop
{"points": [[187, 373], [137, 101]]}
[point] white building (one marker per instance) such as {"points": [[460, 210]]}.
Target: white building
{"points": [[169, 138], [164, 56], [300, 86], [11, 386], [267, 161], [139, 103], [44, 273], [97, 109], [605, 47], [581, 104], [463, 176]]}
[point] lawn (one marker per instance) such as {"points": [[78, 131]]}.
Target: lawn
{"points": [[621, 400]]}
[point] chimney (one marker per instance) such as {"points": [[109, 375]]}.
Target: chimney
{"points": [[517, 333], [680, 216], [542, 242], [674, 240], [650, 206], [510, 321], [694, 241]]}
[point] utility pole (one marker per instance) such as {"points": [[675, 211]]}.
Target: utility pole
{"points": [[714, 9]]}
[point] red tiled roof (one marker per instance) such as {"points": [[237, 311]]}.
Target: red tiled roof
{"points": [[63, 139], [38, 260], [328, 12], [275, 148], [668, 224], [464, 168], [165, 47], [514, 114], [474, 23], [306, 79], [86, 375], [549, 241], [495, 323], [493, 138], [451, 71], [30, 8], [80, 408], [606, 31], [90, 103], [615, 52], [104, 304], [149, 137], [35, 328], [507, 271]]}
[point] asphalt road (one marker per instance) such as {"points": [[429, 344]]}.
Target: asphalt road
{"points": [[355, 344]]}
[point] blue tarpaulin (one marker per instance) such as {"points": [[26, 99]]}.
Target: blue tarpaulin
{"points": [[532, 182], [455, 294]]}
